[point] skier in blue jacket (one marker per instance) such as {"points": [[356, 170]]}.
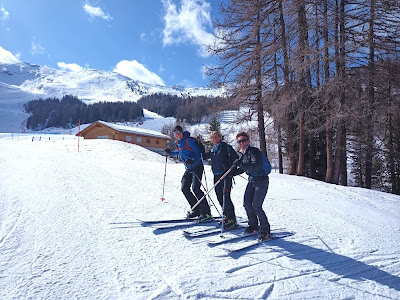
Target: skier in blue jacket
{"points": [[187, 149]]}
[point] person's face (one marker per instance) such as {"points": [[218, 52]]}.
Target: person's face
{"points": [[216, 139], [178, 135], [243, 142]]}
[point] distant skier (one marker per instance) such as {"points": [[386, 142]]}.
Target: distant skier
{"points": [[222, 157], [257, 166], [189, 152]]}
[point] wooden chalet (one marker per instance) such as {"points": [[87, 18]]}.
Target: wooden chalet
{"points": [[146, 138]]}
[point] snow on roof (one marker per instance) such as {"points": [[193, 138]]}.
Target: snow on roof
{"points": [[135, 130]]}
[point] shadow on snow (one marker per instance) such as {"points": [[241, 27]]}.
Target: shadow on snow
{"points": [[336, 263]]}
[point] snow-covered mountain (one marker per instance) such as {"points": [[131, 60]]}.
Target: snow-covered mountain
{"points": [[21, 82]]}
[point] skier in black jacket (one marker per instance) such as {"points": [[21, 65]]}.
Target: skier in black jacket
{"points": [[222, 157], [257, 166]]}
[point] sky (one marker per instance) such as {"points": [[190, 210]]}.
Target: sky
{"points": [[155, 41]]}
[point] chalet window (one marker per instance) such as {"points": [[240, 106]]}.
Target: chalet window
{"points": [[102, 137], [157, 142], [139, 139], [148, 141], [128, 138]]}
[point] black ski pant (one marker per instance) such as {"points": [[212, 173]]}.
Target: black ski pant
{"points": [[192, 179], [229, 211], [253, 201]]}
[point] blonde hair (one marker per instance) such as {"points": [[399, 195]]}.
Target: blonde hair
{"points": [[214, 133]]}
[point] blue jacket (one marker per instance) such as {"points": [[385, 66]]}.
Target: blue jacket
{"points": [[186, 148], [255, 164]]}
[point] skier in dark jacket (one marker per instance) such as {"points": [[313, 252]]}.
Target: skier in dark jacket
{"points": [[190, 154], [257, 166], [222, 157]]}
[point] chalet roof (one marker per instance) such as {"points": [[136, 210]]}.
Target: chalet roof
{"points": [[135, 130]]}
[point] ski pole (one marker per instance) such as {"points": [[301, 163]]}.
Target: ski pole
{"points": [[205, 178], [165, 174], [223, 208], [206, 187], [213, 187], [209, 198]]}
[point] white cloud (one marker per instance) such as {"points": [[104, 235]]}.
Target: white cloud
{"points": [[37, 48], [71, 67], [6, 56], [137, 71], [187, 24], [96, 12], [142, 36], [4, 13]]}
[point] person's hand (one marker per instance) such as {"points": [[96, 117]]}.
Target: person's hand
{"points": [[189, 161], [236, 163], [168, 151]]}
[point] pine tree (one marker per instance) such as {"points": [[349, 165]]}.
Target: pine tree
{"points": [[214, 125]]}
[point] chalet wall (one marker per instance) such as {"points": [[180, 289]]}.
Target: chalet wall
{"points": [[144, 141], [96, 131]]}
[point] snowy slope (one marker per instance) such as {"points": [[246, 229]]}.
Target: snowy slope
{"points": [[12, 115], [68, 230], [21, 82]]}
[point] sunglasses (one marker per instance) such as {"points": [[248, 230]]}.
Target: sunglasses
{"points": [[242, 141], [177, 132]]}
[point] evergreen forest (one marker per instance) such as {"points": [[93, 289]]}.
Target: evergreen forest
{"points": [[190, 109], [67, 112]]}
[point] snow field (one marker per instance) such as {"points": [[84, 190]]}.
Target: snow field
{"points": [[69, 230]]}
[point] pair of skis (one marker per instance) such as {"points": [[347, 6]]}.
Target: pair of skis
{"points": [[253, 243], [209, 231], [177, 223], [243, 238], [247, 240]]}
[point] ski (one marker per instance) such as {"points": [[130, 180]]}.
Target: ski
{"points": [[208, 231], [169, 221], [257, 242], [165, 226], [153, 222], [232, 239]]}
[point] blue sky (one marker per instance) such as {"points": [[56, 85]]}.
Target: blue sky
{"points": [[155, 41]]}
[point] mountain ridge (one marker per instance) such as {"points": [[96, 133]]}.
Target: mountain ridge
{"points": [[22, 82]]}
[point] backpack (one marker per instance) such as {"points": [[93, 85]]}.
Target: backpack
{"points": [[266, 165], [231, 160], [199, 145]]}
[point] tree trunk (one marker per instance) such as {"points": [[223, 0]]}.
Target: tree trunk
{"points": [[260, 108], [280, 156], [329, 157], [340, 152], [304, 77], [371, 95], [328, 124], [302, 145]]}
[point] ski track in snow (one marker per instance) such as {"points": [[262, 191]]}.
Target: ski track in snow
{"points": [[69, 230]]}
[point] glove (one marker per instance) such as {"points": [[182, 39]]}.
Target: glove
{"points": [[237, 162], [167, 150], [189, 161]]}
